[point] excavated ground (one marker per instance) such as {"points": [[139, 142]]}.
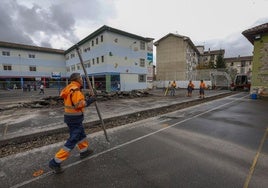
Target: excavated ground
{"points": [[34, 141]]}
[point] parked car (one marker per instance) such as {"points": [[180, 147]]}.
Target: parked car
{"points": [[241, 82]]}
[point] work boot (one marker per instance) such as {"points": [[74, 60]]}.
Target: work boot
{"points": [[85, 153], [55, 167]]}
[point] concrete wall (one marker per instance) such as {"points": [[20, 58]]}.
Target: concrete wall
{"points": [[130, 82], [181, 83], [171, 55], [176, 58]]}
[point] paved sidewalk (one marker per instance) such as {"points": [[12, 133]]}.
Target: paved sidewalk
{"points": [[17, 122], [14, 97]]}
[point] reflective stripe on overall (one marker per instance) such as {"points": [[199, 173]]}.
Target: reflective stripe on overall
{"points": [[74, 104]]}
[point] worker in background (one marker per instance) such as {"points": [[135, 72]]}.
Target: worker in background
{"points": [[74, 105], [172, 88], [190, 88], [202, 88], [41, 89]]}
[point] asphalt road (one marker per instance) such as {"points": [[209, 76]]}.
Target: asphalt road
{"points": [[222, 143]]}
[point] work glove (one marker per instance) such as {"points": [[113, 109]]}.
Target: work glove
{"points": [[90, 100]]}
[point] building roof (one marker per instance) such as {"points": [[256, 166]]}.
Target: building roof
{"points": [[251, 33], [110, 29], [214, 52], [238, 59], [89, 37], [29, 47], [179, 36]]}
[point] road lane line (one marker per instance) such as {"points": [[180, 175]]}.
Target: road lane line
{"points": [[255, 160], [124, 144]]}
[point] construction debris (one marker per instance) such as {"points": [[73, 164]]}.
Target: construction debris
{"points": [[100, 96]]}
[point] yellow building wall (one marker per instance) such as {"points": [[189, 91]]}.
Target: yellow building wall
{"points": [[260, 63]]}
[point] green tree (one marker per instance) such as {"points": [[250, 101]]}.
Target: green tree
{"points": [[211, 65], [232, 72], [220, 63]]}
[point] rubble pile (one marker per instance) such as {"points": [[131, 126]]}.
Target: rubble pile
{"points": [[100, 96], [103, 96]]}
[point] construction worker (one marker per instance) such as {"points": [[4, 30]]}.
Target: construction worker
{"points": [[202, 88], [172, 88], [74, 104], [190, 88]]}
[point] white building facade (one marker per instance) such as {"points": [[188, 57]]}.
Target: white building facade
{"points": [[114, 59], [23, 64]]}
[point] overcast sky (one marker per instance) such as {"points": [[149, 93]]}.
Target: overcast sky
{"points": [[216, 24]]}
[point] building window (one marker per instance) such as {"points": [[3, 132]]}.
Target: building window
{"points": [[142, 78], [87, 49], [212, 57], [72, 55], [101, 38], [243, 63], [7, 67], [92, 43], [87, 64], [142, 45], [32, 68], [102, 59], [93, 61], [98, 60], [5, 53], [31, 55], [73, 68], [78, 66], [142, 62], [97, 40]]}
